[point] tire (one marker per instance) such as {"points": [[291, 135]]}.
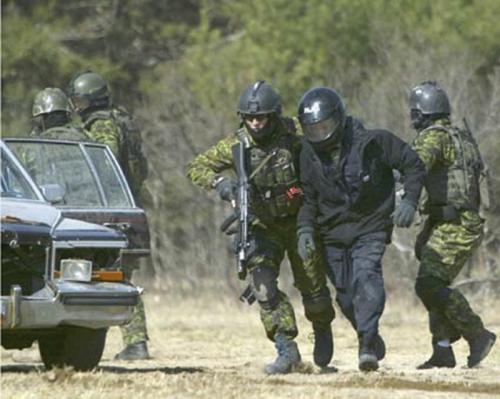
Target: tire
{"points": [[51, 348], [77, 347]]}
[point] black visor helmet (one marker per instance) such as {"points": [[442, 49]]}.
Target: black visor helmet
{"points": [[322, 116]]}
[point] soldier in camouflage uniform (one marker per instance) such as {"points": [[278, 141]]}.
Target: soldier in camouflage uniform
{"points": [[453, 229], [275, 197], [110, 125], [52, 117], [90, 96]]}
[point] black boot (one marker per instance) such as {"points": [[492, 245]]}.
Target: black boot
{"points": [[441, 357], [379, 346], [368, 360], [480, 345], [323, 344], [288, 356], [136, 351]]}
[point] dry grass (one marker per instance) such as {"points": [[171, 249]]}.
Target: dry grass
{"points": [[212, 347]]}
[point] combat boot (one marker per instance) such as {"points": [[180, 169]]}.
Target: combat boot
{"points": [[136, 351], [288, 356], [441, 357], [378, 347], [480, 345], [367, 360], [323, 344]]}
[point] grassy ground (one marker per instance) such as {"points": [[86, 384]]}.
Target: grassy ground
{"points": [[213, 347]]}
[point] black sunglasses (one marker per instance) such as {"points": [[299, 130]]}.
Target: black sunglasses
{"points": [[259, 117]]}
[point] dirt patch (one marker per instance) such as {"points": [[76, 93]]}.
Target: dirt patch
{"points": [[213, 347]]}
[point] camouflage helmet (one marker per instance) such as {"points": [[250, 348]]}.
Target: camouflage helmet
{"points": [[50, 99], [259, 98], [429, 98], [89, 85]]}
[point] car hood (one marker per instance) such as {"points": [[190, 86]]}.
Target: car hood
{"points": [[72, 229], [36, 222]]}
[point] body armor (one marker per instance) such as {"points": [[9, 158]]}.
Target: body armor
{"points": [[456, 184], [274, 178]]}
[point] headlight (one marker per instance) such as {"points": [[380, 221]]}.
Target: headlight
{"points": [[76, 269]]}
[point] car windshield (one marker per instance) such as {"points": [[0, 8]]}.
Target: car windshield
{"points": [[87, 173], [13, 183]]}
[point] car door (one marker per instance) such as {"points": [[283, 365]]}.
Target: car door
{"points": [[94, 187]]}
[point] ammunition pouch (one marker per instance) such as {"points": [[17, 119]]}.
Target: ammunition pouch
{"points": [[278, 202]]}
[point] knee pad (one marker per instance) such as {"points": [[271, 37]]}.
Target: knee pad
{"points": [[433, 292], [265, 287]]}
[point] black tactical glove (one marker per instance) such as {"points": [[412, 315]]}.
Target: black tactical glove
{"points": [[404, 214], [226, 187], [305, 243]]}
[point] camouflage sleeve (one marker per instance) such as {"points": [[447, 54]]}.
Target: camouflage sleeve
{"points": [[298, 127], [106, 132], [203, 169], [433, 146]]}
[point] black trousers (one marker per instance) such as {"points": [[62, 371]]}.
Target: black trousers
{"points": [[356, 273]]}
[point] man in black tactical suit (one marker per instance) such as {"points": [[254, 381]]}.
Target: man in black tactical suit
{"points": [[347, 177]]}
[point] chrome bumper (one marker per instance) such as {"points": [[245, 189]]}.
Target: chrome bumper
{"points": [[92, 305]]}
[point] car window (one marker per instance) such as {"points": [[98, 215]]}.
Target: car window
{"points": [[85, 172], [13, 183], [111, 182]]}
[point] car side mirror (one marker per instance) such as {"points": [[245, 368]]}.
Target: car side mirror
{"points": [[53, 193]]}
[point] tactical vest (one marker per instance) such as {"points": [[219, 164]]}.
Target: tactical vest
{"points": [[456, 184], [275, 188]]}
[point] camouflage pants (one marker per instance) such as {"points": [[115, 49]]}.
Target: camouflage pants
{"points": [[443, 254], [269, 247], [135, 330]]}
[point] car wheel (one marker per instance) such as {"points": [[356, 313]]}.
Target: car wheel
{"points": [[51, 348], [78, 347]]}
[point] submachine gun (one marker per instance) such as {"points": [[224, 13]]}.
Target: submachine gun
{"points": [[241, 214], [240, 211], [243, 246]]}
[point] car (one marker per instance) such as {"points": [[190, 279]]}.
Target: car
{"points": [[84, 181], [62, 279]]}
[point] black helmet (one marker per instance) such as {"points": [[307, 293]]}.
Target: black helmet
{"points": [[259, 98], [428, 101], [89, 85], [322, 116]]}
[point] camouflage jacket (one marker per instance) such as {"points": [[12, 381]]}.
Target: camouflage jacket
{"points": [[453, 164], [103, 128], [69, 131], [275, 187], [116, 128]]}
